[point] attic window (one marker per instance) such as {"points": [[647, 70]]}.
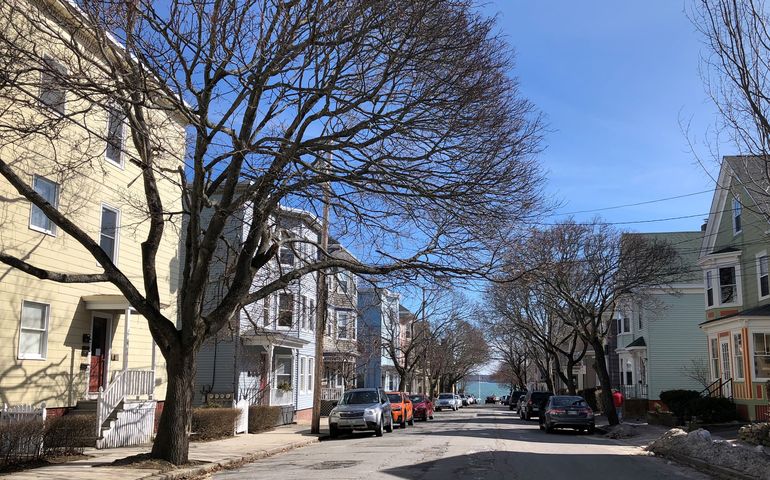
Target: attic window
{"points": [[737, 215]]}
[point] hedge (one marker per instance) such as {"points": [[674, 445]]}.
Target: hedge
{"points": [[263, 417], [679, 401], [713, 410], [69, 434], [20, 442], [214, 423]]}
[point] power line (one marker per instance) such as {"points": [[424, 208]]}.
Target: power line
{"points": [[647, 202]]}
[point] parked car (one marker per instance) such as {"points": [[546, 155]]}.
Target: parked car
{"points": [[534, 403], [446, 400], [458, 401], [504, 399], [423, 406], [464, 400], [520, 403], [401, 407], [513, 402], [492, 399], [361, 409], [472, 400], [564, 411]]}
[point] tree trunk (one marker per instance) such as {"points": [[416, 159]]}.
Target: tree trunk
{"points": [[604, 380], [172, 442]]}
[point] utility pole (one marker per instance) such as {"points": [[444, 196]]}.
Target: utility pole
{"points": [[322, 307]]}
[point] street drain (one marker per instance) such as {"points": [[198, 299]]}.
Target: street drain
{"points": [[332, 465]]}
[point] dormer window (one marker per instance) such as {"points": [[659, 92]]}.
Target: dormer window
{"points": [[737, 215]]}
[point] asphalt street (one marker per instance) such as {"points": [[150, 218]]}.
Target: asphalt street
{"points": [[483, 442]]}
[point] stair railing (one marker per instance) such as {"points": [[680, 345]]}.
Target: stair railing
{"points": [[126, 383]]}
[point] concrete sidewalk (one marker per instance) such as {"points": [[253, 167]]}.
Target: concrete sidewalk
{"points": [[216, 454]]}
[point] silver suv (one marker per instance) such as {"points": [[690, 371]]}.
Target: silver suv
{"points": [[361, 409]]}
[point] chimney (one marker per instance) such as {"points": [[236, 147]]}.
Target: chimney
{"points": [[705, 224]]}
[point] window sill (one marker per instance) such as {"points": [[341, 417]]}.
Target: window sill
{"points": [[30, 358], [120, 165], [50, 233]]}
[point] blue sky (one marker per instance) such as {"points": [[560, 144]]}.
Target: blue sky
{"points": [[616, 80]]}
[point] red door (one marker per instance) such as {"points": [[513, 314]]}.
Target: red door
{"points": [[98, 354]]}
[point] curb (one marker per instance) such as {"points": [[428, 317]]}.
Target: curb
{"points": [[193, 472], [716, 470]]}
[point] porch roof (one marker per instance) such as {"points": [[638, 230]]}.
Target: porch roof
{"points": [[106, 302], [637, 344], [276, 339], [760, 311]]}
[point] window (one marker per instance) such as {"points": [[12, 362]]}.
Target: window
{"points": [[342, 282], [266, 311], [762, 277], [641, 322], [629, 378], [624, 323], [108, 233], [329, 325], [728, 287], [285, 310], [311, 310], [761, 355], [52, 93], [343, 319], [310, 366], [709, 289], [303, 313], [50, 192], [287, 256], [115, 122], [283, 370], [302, 374], [738, 355], [714, 350], [737, 215], [33, 337]]}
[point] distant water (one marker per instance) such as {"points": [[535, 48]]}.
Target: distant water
{"points": [[483, 389]]}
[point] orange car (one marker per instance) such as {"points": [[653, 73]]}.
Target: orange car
{"points": [[401, 408]]}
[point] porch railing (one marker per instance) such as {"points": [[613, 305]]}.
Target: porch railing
{"points": [[281, 397], [126, 383], [331, 393], [719, 388], [634, 391]]}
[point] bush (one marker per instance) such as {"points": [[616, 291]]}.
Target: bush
{"points": [[214, 423], [679, 401], [69, 434], [713, 409], [20, 442], [262, 417]]}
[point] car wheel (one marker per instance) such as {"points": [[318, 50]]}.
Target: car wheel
{"points": [[548, 429], [541, 426], [430, 417], [527, 416], [411, 421], [378, 428], [402, 423], [389, 426], [591, 430], [333, 431]]}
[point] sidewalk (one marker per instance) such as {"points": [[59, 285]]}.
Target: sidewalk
{"points": [[217, 454], [644, 433]]}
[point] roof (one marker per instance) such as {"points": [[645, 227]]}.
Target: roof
{"points": [[760, 311], [638, 343], [753, 173], [726, 250]]}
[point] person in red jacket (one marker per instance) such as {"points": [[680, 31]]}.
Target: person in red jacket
{"points": [[617, 400]]}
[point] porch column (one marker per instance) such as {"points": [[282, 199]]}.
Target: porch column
{"points": [[126, 331], [270, 373]]}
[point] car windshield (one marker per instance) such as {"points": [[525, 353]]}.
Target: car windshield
{"points": [[540, 395], [568, 402], [416, 398], [394, 398], [359, 398], [446, 395]]}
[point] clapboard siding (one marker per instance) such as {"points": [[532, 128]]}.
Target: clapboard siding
{"points": [[674, 341]]}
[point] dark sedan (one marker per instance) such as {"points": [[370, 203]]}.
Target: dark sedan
{"points": [[564, 411], [423, 406]]}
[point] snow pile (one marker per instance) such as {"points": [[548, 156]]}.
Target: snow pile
{"points": [[621, 431], [700, 446]]}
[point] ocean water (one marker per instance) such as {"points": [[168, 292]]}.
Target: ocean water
{"points": [[484, 389]]}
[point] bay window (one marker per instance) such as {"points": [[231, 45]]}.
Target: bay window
{"points": [[728, 287], [761, 355], [762, 276], [738, 355], [714, 353]]}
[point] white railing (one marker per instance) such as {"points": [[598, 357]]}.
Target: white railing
{"points": [[127, 383], [331, 393], [281, 397], [21, 413]]}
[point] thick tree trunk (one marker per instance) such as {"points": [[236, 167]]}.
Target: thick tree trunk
{"points": [[604, 380], [172, 442]]}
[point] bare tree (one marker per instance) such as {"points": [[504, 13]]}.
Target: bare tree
{"points": [[590, 269], [403, 109], [698, 370]]}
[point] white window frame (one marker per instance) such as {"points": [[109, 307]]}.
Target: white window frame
{"points": [[713, 348], [717, 289], [44, 355], [737, 214], [120, 163], [275, 374], [32, 207], [106, 206], [759, 257], [302, 374], [735, 354], [294, 320], [52, 62], [310, 373], [709, 285], [347, 325], [752, 353], [343, 278]]}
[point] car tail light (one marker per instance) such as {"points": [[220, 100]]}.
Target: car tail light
{"points": [[587, 411], [556, 411]]}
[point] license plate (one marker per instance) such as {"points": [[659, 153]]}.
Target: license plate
{"points": [[352, 423], [571, 412]]}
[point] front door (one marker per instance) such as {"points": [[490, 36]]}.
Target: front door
{"points": [[99, 346], [724, 351]]}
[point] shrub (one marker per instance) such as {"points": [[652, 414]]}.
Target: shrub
{"points": [[69, 434], [213, 423], [713, 409], [20, 442], [262, 417], [679, 401]]}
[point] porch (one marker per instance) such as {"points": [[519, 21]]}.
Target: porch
{"points": [[268, 369]]}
